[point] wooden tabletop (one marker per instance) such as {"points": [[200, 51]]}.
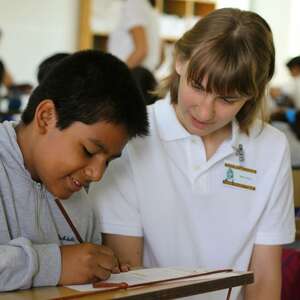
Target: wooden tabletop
{"points": [[155, 291]]}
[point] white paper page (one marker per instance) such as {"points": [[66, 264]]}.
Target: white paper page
{"points": [[151, 274]]}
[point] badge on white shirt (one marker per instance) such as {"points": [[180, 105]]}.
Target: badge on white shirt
{"points": [[240, 176]]}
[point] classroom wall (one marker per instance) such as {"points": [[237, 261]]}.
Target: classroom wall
{"points": [[283, 17], [34, 29], [242, 4]]}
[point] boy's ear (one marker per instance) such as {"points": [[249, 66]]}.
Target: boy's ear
{"points": [[45, 116]]}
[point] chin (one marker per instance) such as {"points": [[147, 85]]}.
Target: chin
{"points": [[64, 195]]}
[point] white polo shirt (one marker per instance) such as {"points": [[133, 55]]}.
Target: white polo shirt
{"points": [[164, 190]]}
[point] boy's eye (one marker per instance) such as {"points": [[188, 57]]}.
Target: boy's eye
{"points": [[87, 153], [111, 159]]}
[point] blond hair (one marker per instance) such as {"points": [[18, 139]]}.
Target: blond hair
{"points": [[234, 50]]}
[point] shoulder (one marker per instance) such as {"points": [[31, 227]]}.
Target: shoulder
{"points": [[9, 149], [266, 134], [266, 146], [158, 109], [136, 13]]}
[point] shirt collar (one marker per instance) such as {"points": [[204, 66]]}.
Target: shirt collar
{"points": [[171, 129], [235, 133], [168, 125]]}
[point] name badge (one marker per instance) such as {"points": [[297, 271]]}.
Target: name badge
{"points": [[240, 176]]}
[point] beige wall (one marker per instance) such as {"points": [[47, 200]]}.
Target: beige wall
{"points": [[34, 29]]}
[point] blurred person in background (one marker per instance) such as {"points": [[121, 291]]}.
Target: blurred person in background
{"points": [[5, 77], [136, 39], [288, 95]]}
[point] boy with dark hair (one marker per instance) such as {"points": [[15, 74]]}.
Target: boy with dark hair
{"points": [[77, 120], [48, 63]]}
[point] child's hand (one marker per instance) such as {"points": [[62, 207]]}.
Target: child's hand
{"points": [[124, 267], [84, 263]]}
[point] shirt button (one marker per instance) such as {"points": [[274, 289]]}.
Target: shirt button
{"points": [[194, 140], [196, 168]]}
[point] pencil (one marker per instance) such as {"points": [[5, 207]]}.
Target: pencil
{"points": [[68, 219]]}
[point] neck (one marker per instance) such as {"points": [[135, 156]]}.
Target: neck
{"points": [[213, 141], [25, 142]]}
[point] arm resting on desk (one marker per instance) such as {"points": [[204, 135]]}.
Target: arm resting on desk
{"points": [[23, 265], [266, 265], [128, 249]]}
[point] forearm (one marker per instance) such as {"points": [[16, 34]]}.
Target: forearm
{"points": [[7, 79], [129, 250], [263, 291], [266, 265], [136, 58], [140, 51], [23, 265]]}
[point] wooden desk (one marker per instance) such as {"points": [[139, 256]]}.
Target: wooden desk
{"points": [[155, 291]]}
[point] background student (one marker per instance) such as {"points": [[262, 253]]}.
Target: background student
{"points": [[5, 77], [136, 39], [211, 185], [292, 89], [288, 95], [77, 120], [288, 121]]}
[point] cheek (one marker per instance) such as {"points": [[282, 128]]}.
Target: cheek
{"points": [[49, 165], [188, 98], [228, 112], [57, 161]]}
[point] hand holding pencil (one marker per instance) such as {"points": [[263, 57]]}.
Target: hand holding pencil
{"points": [[86, 263]]}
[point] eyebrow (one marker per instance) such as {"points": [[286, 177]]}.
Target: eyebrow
{"points": [[104, 148]]}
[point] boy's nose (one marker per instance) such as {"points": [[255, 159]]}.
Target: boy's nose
{"points": [[94, 171]]}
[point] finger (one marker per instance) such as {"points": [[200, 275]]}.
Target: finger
{"points": [[101, 274], [116, 270], [107, 262], [105, 250], [125, 267]]}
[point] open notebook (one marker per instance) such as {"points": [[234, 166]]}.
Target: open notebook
{"points": [[142, 277]]}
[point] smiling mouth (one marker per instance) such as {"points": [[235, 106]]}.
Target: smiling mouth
{"points": [[76, 184], [200, 124]]}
